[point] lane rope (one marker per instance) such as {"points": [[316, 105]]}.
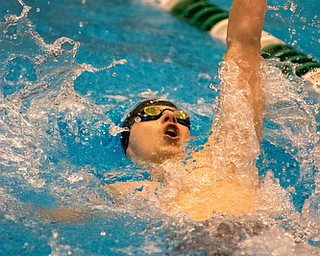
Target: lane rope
{"points": [[214, 20]]}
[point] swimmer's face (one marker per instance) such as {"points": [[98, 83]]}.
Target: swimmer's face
{"points": [[157, 140]]}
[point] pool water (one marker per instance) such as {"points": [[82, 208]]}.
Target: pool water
{"points": [[71, 70]]}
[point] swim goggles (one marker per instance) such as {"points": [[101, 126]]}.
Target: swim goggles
{"points": [[150, 113]]}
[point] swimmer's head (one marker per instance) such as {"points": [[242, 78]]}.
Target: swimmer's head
{"points": [[155, 130]]}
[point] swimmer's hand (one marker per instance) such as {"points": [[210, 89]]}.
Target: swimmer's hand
{"points": [[121, 190], [65, 214]]}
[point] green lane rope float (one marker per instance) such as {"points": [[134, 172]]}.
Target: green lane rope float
{"points": [[199, 13], [288, 53], [210, 18]]}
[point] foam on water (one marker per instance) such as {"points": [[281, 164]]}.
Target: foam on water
{"points": [[46, 124]]}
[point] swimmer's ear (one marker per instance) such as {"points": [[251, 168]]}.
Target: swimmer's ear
{"points": [[129, 152]]}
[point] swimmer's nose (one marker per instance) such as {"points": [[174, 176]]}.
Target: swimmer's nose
{"points": [[168, 116]]}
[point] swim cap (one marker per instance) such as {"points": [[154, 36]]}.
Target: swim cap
{"points": [[130, 119]]}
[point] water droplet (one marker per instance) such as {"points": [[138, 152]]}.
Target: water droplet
{"points": [[213, 87], [137, 119], [55, 235], [303, 19], [293, 7], [294, 43]]}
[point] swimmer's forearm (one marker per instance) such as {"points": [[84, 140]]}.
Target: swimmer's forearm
{"points": [[243, 40]]}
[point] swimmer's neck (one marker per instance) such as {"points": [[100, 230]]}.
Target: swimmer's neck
{"points": [[156, 160], [156, 168], [158, 171]]}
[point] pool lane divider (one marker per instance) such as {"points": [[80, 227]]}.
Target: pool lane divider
{"points": [[214, 20]]}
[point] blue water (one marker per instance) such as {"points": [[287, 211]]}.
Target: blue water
{"points": [[66, 129]]}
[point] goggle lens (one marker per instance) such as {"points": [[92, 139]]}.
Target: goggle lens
{"points": [[180, 114], [154, 111]]}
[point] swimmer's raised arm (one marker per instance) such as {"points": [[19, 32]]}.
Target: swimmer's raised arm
{"points": [[235, 141], [243, 48]]}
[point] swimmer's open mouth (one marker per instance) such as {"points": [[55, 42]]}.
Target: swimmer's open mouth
{"points": [[171, 131]]}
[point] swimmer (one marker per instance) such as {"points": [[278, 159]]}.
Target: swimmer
{"points": [[224, 170], [222, 177]]}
